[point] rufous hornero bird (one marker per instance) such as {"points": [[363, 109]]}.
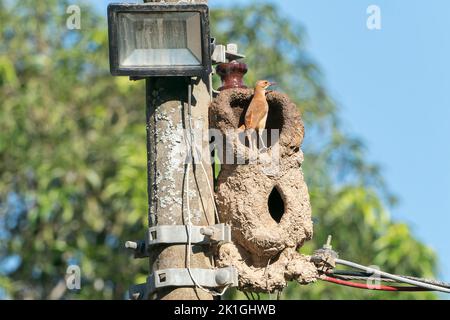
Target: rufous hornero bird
{"points": [[256, 115]]}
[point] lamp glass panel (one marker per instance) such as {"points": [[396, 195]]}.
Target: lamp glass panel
{"points": [[160, 39]]}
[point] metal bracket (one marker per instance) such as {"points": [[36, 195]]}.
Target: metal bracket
{"points": [[223, 54], [207, 278], [179, 234], [232, 52], [219, 54], [166, 235]]}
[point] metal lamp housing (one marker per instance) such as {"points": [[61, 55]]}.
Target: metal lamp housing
{"points": [[158, 40]]}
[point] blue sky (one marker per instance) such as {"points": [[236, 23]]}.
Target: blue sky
{"points": [[393, 88]]}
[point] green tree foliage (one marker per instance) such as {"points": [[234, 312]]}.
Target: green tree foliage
{"points": [[348, 195], [72, 154], [73, 158]]}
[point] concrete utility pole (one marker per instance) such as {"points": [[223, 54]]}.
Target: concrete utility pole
{"points": [[167, 100]]}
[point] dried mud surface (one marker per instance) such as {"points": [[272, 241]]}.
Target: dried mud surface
{"points": [[264, 250]]}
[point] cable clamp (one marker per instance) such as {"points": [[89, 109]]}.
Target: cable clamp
{"points": [[207, 278], [178, 234], [325, 258]]}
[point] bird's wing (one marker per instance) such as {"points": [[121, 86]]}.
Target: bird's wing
{"points": [[255, 113]]}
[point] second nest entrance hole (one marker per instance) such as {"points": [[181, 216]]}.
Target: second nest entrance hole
{"points": [[276, 205]]}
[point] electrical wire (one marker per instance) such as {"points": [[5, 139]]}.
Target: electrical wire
{"points": [[189, 146], [401, 279], [195, 147], [188, 256], [360, 275], [358, 278], [210, 192], [212, 92], [372, 287]]}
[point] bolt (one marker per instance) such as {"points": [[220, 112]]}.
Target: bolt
{"points": [[328, 244], [223, 277], [135, 296], [232, 48], [207, 231], [131, 245]]}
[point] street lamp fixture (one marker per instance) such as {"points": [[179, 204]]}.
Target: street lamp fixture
{"points": [[159, 40]]}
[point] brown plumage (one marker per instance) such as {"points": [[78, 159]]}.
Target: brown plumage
{"points": [[256, 115]]}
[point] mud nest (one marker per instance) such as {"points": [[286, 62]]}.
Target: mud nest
{"points": [[266, 202], [227, 113]]}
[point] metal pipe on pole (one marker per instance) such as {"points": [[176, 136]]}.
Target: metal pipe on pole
{"points": [[167, 111]]}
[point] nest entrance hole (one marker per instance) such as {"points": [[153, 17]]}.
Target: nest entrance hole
{"points": [[276, 205]]}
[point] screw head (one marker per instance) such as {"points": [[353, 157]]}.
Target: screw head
{"points": [[223, 277], [131, 245], [207, 231]]}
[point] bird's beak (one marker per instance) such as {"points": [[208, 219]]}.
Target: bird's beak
{"points": [[272, 84]]}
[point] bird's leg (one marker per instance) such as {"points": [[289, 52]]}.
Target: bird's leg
{"points": [[249, 138], [247, 135], [260, 132], [252, 146]]}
